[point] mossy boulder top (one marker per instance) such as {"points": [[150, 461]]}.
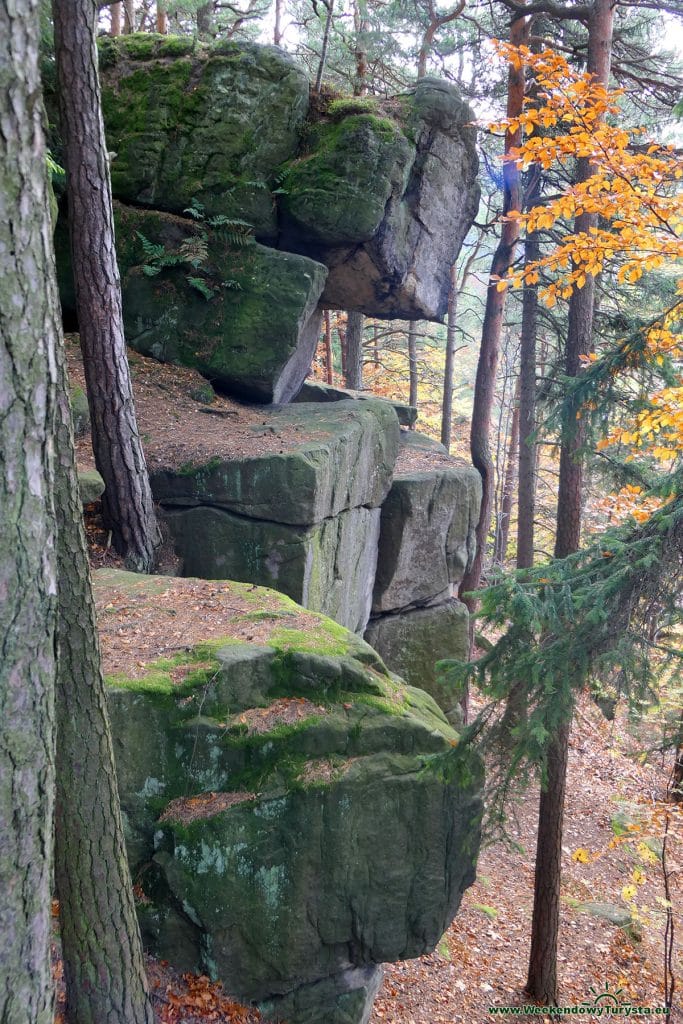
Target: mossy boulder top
{"points": [[189, 121], [301, 814], [382, 193]]}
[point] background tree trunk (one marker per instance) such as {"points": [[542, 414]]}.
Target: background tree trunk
{"points": [[542, 978], [353, 374], [329, 7], [128, 16], [127, 500], [412, 364], [447, 403], [29, 325], [503, 527], [101, 948], [484, 388], [116, 19], [328, 347], [162, 19], [277, 27], [526, 492], [204, 14]]}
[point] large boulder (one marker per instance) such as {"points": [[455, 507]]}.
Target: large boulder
{"points": [[185, 122], [304, 520], [316, 391], [385, 202], [255, 782], [328, 567], [427, 532], [244, 315]]}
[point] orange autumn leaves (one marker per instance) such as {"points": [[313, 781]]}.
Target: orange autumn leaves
{"points": [[634, 187]]}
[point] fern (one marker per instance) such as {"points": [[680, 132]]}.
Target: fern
{"points": [[200, 285]]}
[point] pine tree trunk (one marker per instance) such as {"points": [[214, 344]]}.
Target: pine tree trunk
{"points": [[412, 364], [447, 403], [485, 384], [29, 325], [277, 27], [329, 5], [127, 501], [128, 16], [526, 490], [328, 347], [542, 980], [503, 530], [116, 19], [677, 774], [162, 18], [354, 351], [101, 949]]}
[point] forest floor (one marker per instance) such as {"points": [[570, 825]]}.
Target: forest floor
{"points": [[481, 960]]}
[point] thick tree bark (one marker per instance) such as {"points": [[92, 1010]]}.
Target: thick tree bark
{"points": [[542, 979], [412, 364], [29, 325], [101, 948], [484, 389], [162, 18], [506, 502], [118, 452], [353, 374]]}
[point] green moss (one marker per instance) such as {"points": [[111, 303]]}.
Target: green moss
{"points": [[321, 642], [350, 105]]}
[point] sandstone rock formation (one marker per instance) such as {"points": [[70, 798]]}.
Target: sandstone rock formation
{"points": [[295, 814]]}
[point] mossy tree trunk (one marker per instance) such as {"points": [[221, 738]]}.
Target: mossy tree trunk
{"points": [[127, 501], [29, 318]]}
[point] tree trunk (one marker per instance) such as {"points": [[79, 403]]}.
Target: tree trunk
{"points": [[447, 403], [127, 501], [329, 6], [341, 334], [503, 528], [677, 774], [328, 347], [116, 19], [354, 351], [360, 52], [526, 492], [128, 16], [204, 14], [412, 364], [162, 18], [29, 325], [101, 948], [542, 980], [484, 389], [277, 27]]}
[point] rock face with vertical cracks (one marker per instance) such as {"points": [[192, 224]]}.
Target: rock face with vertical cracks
{"points": [[296, 815]]}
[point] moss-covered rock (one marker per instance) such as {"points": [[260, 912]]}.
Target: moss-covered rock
{"points": [[338, 193], [315, 391], [406, 186], [187, 121], [254, 793], [244, 315], [90, 485], [411, 642]]}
